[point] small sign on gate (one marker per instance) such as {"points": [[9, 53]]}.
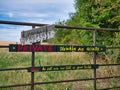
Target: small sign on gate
{"points": [[62, 68]]}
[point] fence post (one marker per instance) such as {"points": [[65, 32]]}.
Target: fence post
{"points": [[33, 64], [94, 58]]}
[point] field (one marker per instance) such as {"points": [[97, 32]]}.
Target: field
{"points": [[15, 60], [7, 42]]}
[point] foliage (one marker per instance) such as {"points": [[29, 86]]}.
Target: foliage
{"points": [[92, 13], [114, 54]]}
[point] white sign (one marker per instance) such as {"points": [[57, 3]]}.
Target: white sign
{"points": [[37, 34]]}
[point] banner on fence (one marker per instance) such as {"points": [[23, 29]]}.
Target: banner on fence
{"points": [[55, 48], [62, 67]]}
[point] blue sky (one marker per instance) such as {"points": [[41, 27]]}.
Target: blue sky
{"points": [[38, 11]]}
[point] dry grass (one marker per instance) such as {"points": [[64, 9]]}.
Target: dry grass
{"points": [[7, 42], [14, 60]]}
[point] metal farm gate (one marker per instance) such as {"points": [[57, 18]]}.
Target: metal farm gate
{"points": [[55, 48]]}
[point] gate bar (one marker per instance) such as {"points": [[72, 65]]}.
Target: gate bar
{"points": [[57, 26], [4, 46], [25, 68], [107, 47], [54, 82], [94, 58], [109, 88], [33, 64], [10, 69]]}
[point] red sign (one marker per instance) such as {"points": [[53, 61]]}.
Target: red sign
{"points": [[55, 48]]}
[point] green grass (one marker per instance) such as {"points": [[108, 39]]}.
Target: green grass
{"points": [[15, 60]]}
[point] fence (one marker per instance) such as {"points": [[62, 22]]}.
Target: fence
{"points": [[94, 79]]}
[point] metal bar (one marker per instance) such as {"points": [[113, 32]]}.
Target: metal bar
{"points": [[16, 85], [108, 77], [75, 80], [94, 59], [46, 33], [33, 64], [60, 81], [21, 23], [63, 81], [117, 47], [108, 47], [4, 46], [109, 88], [86, 28], [108, 65], [10, 69], [57, 26], [25, 68]]}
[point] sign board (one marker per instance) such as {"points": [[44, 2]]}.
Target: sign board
{"points": [[37, 34], [61, 68], [55, 48]]}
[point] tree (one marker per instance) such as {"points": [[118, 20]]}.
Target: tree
{"points": [[92, 13]]}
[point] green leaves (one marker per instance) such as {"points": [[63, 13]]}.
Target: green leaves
{"points": [[99, 14]]}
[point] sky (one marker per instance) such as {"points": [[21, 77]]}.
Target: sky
{"points": [[35, 11]]}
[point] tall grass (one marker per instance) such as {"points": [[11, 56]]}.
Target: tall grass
{"points": [[8, 60]]}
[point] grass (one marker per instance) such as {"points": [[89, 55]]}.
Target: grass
{"points": [[14, 60]]}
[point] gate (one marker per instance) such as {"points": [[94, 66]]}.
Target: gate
{"points": [[93, 66]]}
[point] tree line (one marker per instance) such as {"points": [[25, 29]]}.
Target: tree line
{"points": [[92, 13]]}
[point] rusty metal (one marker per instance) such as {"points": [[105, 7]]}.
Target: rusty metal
{"points": [[32, 64], [21, 23], [87, 28], [10, 69], [57, 26], [4, 46], [94, 59], [108, 64], [26, 68], [113, 47], [60, 81], [107, 47], [116, 88]]}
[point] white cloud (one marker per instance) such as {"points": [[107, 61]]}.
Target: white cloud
{"points": [[10, 14], [42, 21], [33, 4], [12, 34], [37, 1], [38, 11], [37, 8], [27, 14]]}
